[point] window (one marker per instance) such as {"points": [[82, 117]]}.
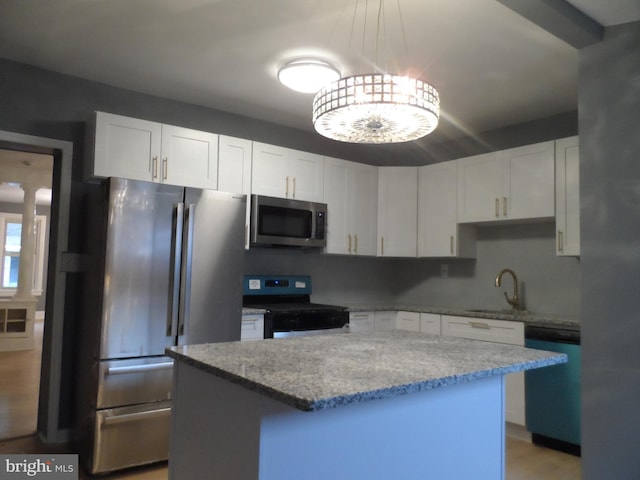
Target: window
{"points": [[10, 235]]}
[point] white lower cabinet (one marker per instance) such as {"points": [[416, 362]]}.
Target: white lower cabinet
{"points": [[361, 322], [430, 323], [408, 321], [252, 327], [385, 321], [500, 331]]}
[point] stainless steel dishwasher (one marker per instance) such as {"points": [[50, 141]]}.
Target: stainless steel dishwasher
{"points": [[552, 394]]}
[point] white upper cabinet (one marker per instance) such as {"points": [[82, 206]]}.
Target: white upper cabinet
{"points": [[125, 147], [189, 157], [350, 191], [141, 150], [307, 174], [234, 164], [529, 186], [439, 234], [285, 173], [397, 211], [568, 197], [514, 184], [364, 209], [234, 171]]}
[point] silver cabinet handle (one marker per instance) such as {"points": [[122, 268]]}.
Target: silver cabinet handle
{"points": [[451, 244], [148, 367], [560, 241], [154, 167], [481, 325], [355, 249], [382, 246], [132, 417], [497, 207], [504, 206], [349, 247], [294, 187], [165, 168], [286, 192]]}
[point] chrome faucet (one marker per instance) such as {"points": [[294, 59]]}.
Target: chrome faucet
{"points": [[514, 301]]}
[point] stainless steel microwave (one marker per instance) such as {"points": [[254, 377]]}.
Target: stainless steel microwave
{"points": [[287, 222]]}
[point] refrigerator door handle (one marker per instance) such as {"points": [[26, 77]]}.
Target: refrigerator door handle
{"points": [[187, 254], [174, 281]]}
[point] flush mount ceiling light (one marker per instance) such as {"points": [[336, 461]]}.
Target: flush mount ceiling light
{"points": [[307, 76], [376, 107]]}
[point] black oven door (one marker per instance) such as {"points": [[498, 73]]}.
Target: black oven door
{"points": [[293, 324]]}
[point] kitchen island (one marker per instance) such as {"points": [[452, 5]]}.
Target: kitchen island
{"points": [[354, 406]]}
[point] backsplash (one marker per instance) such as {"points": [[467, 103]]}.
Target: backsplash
{"points": [[548, 284]]}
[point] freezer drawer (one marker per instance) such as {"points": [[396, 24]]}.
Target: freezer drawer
{"points": [[134, 381], [131, 436]]}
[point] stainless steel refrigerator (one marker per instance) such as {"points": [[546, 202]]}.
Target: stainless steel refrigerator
{"points": [[167, 271]]}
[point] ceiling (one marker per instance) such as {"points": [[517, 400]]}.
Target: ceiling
{"points": [[491, 66], [17, 166]]}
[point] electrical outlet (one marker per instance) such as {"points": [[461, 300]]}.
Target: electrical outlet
{"points": [[444, 270]]}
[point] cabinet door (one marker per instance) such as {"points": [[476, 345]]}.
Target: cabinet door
{"points": [[126, 147], [430, 323], [364, 209], [361, 322], [567, 197], [252, 327], [500, 331], [234, 164], [234, 171], [529, 186], [336, 194], [270, 170], [385, 321], [408, 321], [397, 211], [306, 176], [437, 200], [479, 188], [189, 157]]}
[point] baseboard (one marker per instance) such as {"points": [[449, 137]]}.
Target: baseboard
{"points": [[62, 436], [556, 444], [519, 432]]}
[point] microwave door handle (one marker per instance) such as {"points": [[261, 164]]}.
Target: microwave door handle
{"points": [[187, 254], [174, 281]]}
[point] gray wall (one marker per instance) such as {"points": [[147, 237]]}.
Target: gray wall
{"points": [[548, 284], [609, 104]]}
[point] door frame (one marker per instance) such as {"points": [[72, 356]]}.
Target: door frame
{"points": [[51, 366]]}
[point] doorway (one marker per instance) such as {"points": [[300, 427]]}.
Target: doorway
{"points": [[21, 336], [49, 369]]}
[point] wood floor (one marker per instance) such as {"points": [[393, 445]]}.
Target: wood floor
{"points": [[19, 383]]}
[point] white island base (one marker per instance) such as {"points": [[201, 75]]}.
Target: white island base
{"points": [[222, 430]]}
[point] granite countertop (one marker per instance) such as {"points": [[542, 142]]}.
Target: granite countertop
{"points": [[529, 318], [327, 371]]}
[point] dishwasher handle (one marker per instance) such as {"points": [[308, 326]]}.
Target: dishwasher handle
{"points": [[552, 334]]}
